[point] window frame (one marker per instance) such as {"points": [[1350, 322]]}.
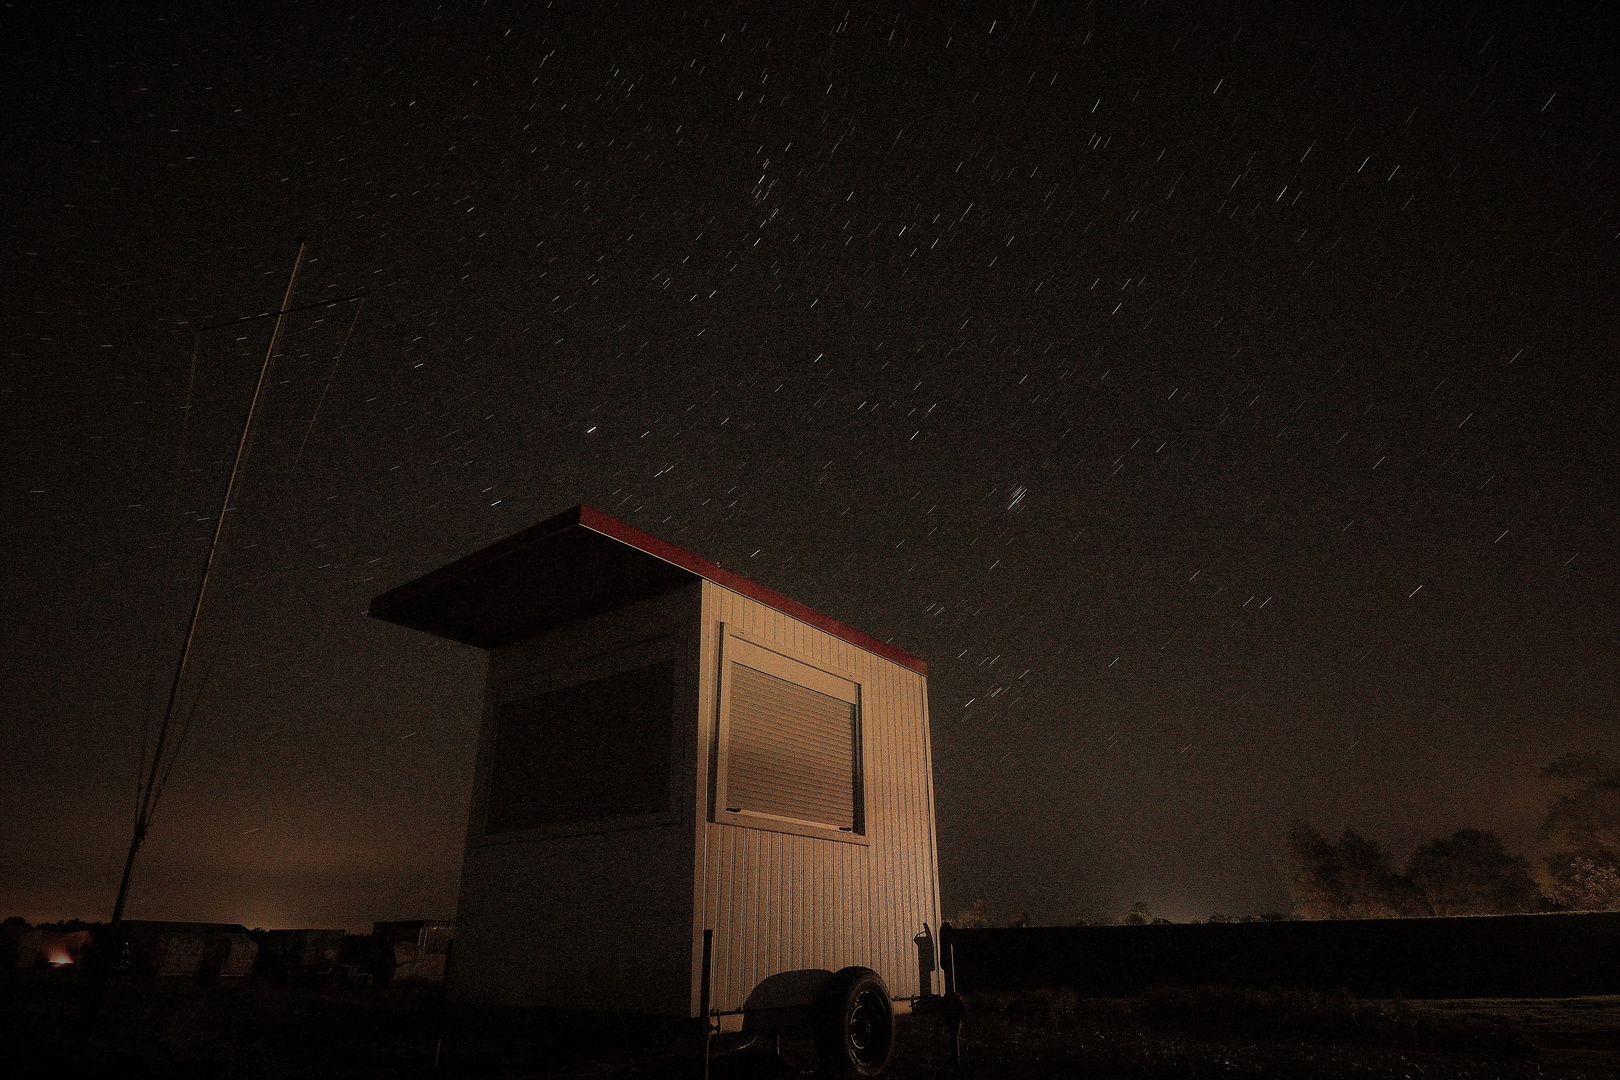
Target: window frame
{"points": [[737, 646], [618, 660]]}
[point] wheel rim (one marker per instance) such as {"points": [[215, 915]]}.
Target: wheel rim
{"points": [[866, 1028]]}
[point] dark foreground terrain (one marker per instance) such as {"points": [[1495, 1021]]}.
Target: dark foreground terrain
{"points": [[178, 1029]]}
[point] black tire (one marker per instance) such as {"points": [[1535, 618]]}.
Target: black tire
{"points": [[855, 1025]]}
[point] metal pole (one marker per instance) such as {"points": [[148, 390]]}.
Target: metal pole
{"points": [[151, 788], [705, 1005]]}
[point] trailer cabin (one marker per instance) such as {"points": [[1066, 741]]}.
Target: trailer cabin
{"points": [[693, 796]]}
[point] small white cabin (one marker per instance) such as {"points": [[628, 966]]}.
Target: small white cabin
{"points": [[693, 796]]}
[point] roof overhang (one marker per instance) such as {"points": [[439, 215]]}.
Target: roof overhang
{"points": [[567, 569]]}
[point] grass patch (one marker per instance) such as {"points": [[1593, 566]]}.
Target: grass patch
{"points": [[176, 1029], [1276, 1016]]}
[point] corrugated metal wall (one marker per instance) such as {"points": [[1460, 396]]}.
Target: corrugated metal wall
{"points": [[779, 902]]}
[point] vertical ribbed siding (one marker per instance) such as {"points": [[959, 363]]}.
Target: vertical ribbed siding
{"points": [[782, 902]]}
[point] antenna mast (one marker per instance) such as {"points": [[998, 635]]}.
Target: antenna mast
{"points": [[152, 786]]}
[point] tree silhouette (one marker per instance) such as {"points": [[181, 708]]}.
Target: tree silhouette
{"points": [[1466, 873], [1139, 915], [1582, 828], [1350, 879], [973, 916], [1470, 873]]}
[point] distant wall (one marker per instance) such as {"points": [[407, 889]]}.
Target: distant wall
{"points": [[1558, 955]]}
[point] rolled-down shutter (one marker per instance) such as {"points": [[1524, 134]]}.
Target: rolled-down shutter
{"points": [[791, 751]]}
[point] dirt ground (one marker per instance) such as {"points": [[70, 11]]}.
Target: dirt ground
{"points": [[180, 1030], [1575, 1036]]}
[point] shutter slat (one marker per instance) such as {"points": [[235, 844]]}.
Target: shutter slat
{"points": [[791, 751]]}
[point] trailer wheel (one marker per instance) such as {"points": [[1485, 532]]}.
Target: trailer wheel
{"points": [[855, 1025]]}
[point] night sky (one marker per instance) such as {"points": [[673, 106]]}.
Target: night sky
{"points": [[1224, 407]]}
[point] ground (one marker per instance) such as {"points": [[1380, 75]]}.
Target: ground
{"points": [[176, 1029]]}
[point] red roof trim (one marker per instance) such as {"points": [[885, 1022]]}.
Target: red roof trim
{"points": [[593, 519]]}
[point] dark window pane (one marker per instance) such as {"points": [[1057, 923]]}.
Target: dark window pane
{"points": [[597, 750]]}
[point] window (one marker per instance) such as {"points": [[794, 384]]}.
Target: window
{"points": [[587, 752], [789, 744]]}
